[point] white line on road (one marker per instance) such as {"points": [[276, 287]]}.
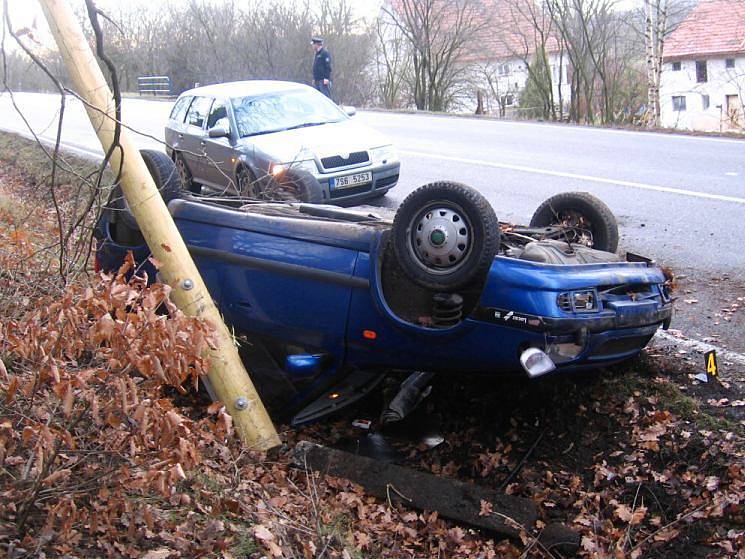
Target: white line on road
{"points": [[618, 182], [639, 133]]}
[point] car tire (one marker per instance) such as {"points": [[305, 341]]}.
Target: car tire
{"points": [[445, 236], [166, 178], [185, 176], [246, 184], [301, 186], [294, 185], [591, 213]]}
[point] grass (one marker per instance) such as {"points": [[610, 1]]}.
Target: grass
{"points": [[34, 162], [670, 398], [245, 545]]}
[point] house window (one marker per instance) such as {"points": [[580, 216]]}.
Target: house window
{"points": [[679, 103], [503, 69], [508, 100], [705, 101], [701, 75], [729, 63], [676, 66]]}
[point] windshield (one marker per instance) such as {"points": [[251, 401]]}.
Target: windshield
{"points": [[284, 110]]}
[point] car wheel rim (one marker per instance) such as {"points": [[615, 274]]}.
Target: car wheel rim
{"points": [[247, 187], [441, 238], [183, 173]]}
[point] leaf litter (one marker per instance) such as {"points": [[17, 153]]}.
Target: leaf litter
{"points": [[107, 448]]}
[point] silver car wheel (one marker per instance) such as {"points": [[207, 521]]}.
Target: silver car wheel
{"points": [[247, 186], [183, 172], [440, 238]]}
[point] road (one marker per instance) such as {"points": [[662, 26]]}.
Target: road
{"points": [[679, 199]]}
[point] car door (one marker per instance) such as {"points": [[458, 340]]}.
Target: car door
{"points": [[218, 161], [176, 126], [193, 138]]}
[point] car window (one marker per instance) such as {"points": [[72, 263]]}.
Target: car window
{"points": [[179, 109], [283, 110], [198, 111], [218, 112]]}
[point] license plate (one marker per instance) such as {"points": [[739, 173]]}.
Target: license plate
{"points": [[352, 180]]}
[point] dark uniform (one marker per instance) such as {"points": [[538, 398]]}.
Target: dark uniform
{"points": [[322, 71]]}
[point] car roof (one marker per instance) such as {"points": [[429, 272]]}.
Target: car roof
{"points": [[243, 88]]}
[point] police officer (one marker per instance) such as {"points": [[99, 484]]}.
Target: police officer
{"points": [[321, 67]]}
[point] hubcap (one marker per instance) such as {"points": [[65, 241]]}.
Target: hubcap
{"points": [[440, 238], [183, 173]]}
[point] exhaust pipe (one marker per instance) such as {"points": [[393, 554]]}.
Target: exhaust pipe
{"points": [[536, 363], [412, 391]]}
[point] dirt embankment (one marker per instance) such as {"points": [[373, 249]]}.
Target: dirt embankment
{"points": [[107, 449]]}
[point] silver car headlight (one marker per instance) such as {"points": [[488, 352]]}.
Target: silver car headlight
{"points": [[384, 154], [308, 165]]}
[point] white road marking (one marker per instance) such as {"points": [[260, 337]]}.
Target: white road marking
{"points": [[618, 182], [579, 127], [731, 174]]}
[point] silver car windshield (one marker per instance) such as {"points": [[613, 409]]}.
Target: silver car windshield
{"points": [[286, 110]]}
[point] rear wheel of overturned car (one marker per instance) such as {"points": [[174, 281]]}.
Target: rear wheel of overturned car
{"points": [[445, 235], [166, 178], [587, 220]]}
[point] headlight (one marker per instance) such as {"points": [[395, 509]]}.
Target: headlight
{"points": [[383, 154], [578, 301], [308, 165]]}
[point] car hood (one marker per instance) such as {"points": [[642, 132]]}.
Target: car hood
{"points": [[323, 140]]}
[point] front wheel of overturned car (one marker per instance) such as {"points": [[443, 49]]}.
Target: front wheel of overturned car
{"points": [[587, 220], [445, 236], [167, 181]]}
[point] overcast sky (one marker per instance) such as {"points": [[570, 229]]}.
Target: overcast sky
{"points": [[25, 12], [28, 14]]}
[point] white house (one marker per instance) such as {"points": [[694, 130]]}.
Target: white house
{"points": [[702, 84], [495, 66], [503, 52]]}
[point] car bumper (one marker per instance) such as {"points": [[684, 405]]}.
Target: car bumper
{"points": [[385, 177], [582, 342]]}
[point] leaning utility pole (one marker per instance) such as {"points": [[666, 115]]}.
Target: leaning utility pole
{"points": [[227, 374]]}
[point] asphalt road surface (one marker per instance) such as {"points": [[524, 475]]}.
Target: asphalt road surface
{"points": [[679, 199]]}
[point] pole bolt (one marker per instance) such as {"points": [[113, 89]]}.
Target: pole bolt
{"points": [[241, 403], [187, 284]]}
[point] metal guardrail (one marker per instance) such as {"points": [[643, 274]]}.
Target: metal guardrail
{"points": [[154, 85]]}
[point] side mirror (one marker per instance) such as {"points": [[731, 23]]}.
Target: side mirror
{"points": [[219, 131], [351, 111]]}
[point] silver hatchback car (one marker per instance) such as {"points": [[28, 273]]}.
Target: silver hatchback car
{"points": [[240, 137]]}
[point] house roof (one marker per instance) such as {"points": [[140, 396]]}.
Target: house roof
{"points": [[714, 27], [508, 29], [516, 31]]}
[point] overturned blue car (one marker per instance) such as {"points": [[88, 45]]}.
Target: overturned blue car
{"points": [[328, 301]]}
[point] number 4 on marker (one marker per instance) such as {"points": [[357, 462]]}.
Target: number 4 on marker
{"points": [[710, 357]]}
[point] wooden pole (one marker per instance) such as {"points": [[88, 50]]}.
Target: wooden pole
{"points": [[227, 374]]}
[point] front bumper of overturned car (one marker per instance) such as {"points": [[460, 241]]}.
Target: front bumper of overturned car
{"points": [[576, 342], [629, 305]]}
